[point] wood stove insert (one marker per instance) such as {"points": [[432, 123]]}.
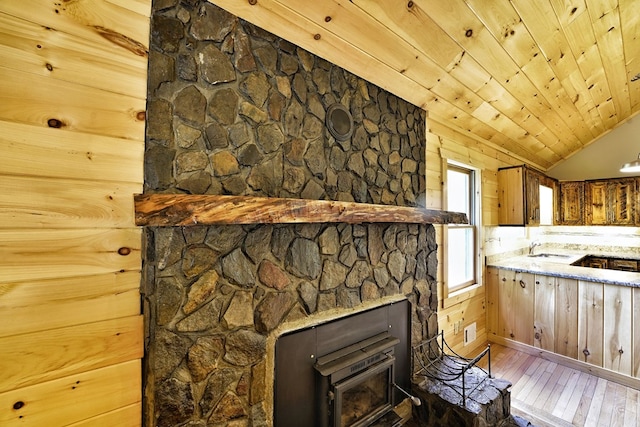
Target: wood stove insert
{"points": [[342, 373]]}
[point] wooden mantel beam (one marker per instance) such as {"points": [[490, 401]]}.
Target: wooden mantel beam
{"points": [[158, 210]]}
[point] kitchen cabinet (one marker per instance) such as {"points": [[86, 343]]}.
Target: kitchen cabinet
{"points": [[515, 306], [544, 311], [591, 322], [519, 195], [571, 203], [610, 202], [618, 327], [595, 262], [608, 263], [566, 317], [623, 264]]}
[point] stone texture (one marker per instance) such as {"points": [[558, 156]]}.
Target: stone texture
{"points": [[201, 291], [273, 276], [203, 357], [233, 109], [244, 347], [212, 23], [215, 67], [303, 259], [240, 311], [174, 402], [224, 163], [169, 299], [333, 275], [190, 105], [223, 106], [442, 404], [272, 310], [197, 259], [238, 269]]}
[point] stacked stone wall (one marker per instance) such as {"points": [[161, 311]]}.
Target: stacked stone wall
{"points": [[235, 110]]}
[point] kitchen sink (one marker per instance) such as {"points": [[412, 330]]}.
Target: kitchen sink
{"points": [[545, 255]]}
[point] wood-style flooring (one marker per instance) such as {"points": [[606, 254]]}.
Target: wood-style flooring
{"points": [[549, 394]]}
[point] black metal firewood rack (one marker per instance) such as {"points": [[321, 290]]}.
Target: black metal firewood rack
{"points": [[435, 359]]}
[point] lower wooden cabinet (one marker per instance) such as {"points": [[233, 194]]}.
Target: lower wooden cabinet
{"points": [[566, 317], [515, 302], [618, 327], [590, 322], [587, 321], [544, 313]]}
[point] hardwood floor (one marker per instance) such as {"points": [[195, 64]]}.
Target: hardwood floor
{"points": [[549, 394]]}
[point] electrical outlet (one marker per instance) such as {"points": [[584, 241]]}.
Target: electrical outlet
{"points": [[470, 333], [457, 327]]}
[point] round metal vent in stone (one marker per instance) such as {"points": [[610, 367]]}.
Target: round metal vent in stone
{"points": [[339, 122]]}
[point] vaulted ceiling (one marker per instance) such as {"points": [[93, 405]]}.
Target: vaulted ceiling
{"points": [[539, 79]]}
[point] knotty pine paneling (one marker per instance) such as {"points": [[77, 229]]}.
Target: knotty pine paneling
{"points": [[59, 153], [126, 416], [472, 306], [31, 202], [32, 48], [28, 359], [43, 304], [72, 117], [49, 253], [47, 102], [73, 398]]}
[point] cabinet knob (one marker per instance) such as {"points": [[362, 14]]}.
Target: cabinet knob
{"points": [[537, 336], [522, 284], [586, 352]]}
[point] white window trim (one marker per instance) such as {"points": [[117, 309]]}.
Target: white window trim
{"points": [[454, 296]]}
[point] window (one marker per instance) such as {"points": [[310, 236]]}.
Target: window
{"points": [[461, 241]]}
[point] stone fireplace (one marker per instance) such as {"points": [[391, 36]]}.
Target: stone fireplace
{"points": [[234, 110]]}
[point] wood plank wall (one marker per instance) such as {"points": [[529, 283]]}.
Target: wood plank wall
{"points": [[72, 107], [454, 314]]}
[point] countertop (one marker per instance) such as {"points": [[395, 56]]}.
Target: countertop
{"points": [[560, 266]]}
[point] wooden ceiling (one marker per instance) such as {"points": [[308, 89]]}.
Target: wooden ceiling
{"points": [[539, 79]]}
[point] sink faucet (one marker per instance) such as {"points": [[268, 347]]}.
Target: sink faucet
{"points": [[533, 245]]}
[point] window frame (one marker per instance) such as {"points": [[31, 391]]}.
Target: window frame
{"points": [[452, 295]]}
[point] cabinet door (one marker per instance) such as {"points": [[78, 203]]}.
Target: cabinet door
{"points": [[524, 291], [622, 198], [493, 294], [636, 333], [623, 264], [590, 322], [544, 312], [572, 203], [506, 309], [511, 196], [566, 317], [532, 201], [597, 202], [617, 328], [595, 262]]}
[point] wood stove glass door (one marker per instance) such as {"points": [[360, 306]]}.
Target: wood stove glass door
{"points": [[363, 398]]}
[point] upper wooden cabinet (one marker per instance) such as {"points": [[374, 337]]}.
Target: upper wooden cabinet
{"points": [[610, 202], [519, 195], [571, 203]]}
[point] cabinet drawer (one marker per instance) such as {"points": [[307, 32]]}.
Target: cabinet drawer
{"points": [[623, 264]]}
